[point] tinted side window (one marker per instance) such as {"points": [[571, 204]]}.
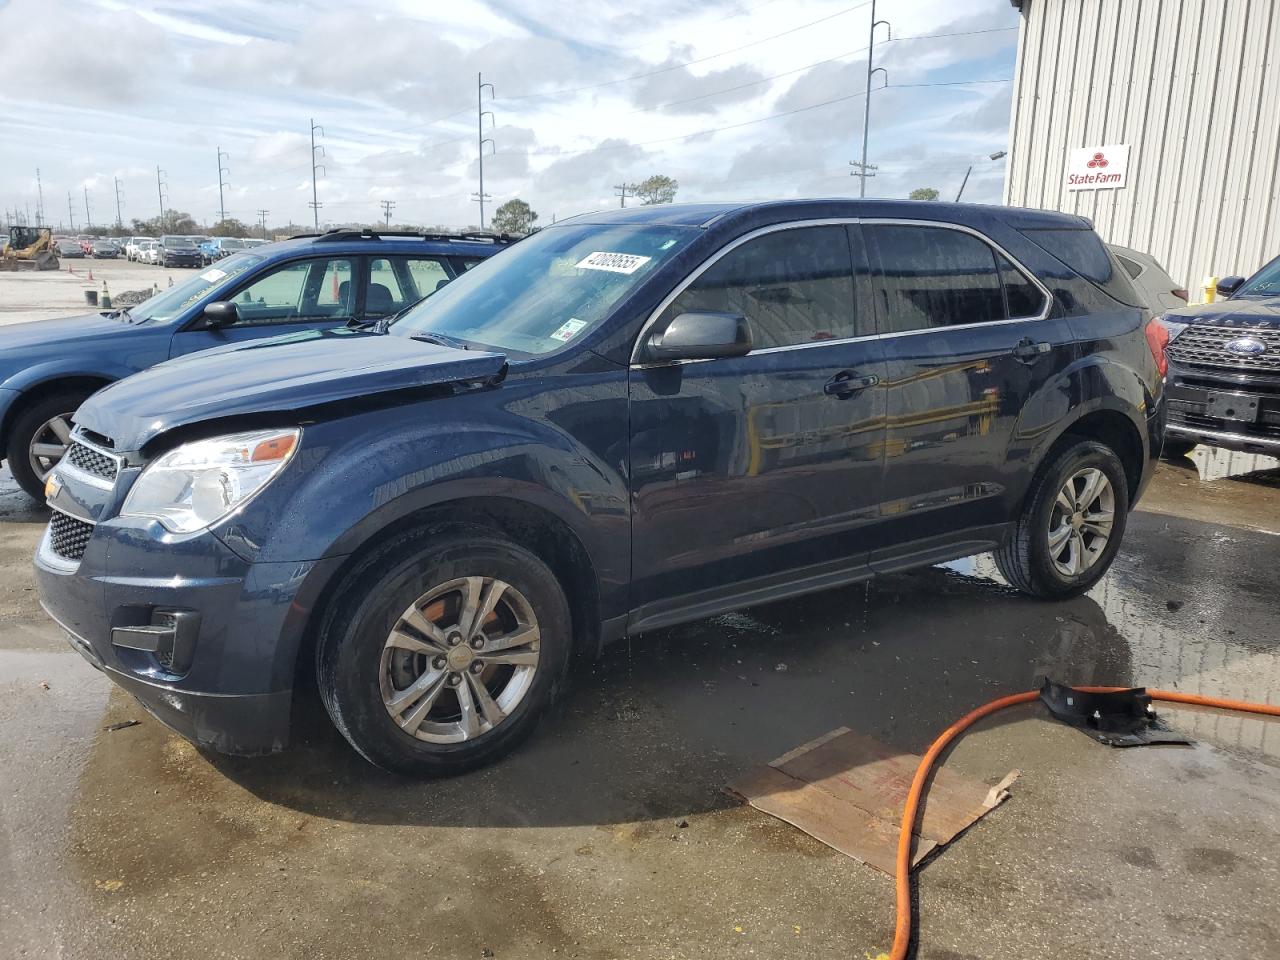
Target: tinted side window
{"points": [[1083, 252], [934, 277], [301, 290], [793, 286], [1024, 297]]}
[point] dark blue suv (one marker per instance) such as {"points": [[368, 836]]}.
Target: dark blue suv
{"points": [[1224, 368], [628, 420], [49, 367]]}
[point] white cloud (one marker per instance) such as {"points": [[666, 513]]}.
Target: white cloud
{"points": [[394, 87]]}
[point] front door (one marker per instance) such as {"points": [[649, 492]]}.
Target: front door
{"points": [[311, 294], [746, 470], [968, 341]]}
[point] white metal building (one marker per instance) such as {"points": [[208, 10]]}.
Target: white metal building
{"points": [[1191, 88]]}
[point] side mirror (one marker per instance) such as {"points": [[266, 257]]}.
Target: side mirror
{"points": [[702, 336], [1229, 285], [220, 313]]}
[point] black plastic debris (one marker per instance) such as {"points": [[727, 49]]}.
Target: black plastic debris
{"points": [[1123, 718]]}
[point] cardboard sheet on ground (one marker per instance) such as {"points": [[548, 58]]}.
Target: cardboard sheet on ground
{"points": [[848, 791]]}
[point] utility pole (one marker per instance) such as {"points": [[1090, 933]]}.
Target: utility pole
{"points": [[624, 190], [119, 218], [481, 139], [262, 218], [222, 207], [862, 167], [88, 220], [71, 211], [160, 194], [315, 200], [39, 200], [387, 207]]}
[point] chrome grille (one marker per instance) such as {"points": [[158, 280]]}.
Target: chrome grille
{"points": [[68, 536], [1202, 345], [91, 461]]}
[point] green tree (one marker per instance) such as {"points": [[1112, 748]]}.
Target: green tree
{"points": [[657, 189], [923, 193], [230, 227], [173, 221], [514, 216]]}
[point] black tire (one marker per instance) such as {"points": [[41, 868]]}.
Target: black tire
{"points": [[1024, 558], [370, 602], [1175, 449], [30, 419]]}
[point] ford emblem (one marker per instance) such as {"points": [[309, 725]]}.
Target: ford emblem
{"points": [[1247, 346]]}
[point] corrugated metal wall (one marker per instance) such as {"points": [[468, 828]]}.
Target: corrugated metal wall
{"points": [[1193, 86]]}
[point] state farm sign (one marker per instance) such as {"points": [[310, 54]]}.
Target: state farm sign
{"points": [[1098, 168]]}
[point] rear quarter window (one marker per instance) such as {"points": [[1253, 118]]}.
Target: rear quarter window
{"points": [[1084, 252]]}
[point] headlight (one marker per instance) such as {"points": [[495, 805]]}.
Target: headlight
{"points": [[197, 484]]}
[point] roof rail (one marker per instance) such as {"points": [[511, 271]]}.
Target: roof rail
{"points": [[366, 233]]}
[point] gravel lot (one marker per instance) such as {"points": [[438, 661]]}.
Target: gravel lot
{"points": [[131, 844]]}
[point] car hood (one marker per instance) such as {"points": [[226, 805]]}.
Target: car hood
{"points": [[1243, 310], [286, 373], [59, 331]]}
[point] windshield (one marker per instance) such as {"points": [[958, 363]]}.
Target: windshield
{"points": [[228, 244], [1264, 283], [548, 290], [176, 241], [170, 303]]}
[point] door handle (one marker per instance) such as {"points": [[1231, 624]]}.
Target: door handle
{"points": [[846, 383], [1028, 350]]}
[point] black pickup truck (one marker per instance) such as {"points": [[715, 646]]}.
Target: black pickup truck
{"points": [[1224, 368]]}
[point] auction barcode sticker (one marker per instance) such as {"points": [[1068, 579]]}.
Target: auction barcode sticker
{"points": [[612, 262]]}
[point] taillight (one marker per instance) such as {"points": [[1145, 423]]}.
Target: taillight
{"points": [[1181, 295], [1157, 339]]}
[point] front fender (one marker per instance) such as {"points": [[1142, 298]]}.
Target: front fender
{"points": [[102, 368], [355, 478]]}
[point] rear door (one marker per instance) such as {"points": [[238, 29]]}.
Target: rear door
{"points": [[398, 280], [309, 294], [968, 341], [749, 469]]}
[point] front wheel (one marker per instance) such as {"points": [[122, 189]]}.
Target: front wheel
{"points": [[443, 650], [40, 436], [1070, 526]]}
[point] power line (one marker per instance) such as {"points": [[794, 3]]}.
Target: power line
{"points": [[315, 199], [222, 206], [689, 63], [480, 196], [387, 207], [772, 116], [160, 185], [624, 190], [656, 108]]}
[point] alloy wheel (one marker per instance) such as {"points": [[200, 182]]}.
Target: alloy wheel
{"points": [[1081, 521], [459, 660], [49, 443]]}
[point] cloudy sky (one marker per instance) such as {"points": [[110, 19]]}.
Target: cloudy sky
{"points": [[734, 98]]}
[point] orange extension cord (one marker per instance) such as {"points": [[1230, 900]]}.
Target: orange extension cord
{"points": [[902, 875]]}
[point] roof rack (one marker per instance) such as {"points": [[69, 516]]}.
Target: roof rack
{"points": [[347, 233]]}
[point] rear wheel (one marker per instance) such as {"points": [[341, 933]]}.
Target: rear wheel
{"points": [[1071, 525], [443, 651], [39, 437]]}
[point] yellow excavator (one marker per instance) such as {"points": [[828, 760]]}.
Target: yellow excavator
{"points": [[29, 248]]}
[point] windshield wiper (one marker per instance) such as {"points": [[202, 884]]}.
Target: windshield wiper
{"points": [[122, 312], [428, 336]]}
